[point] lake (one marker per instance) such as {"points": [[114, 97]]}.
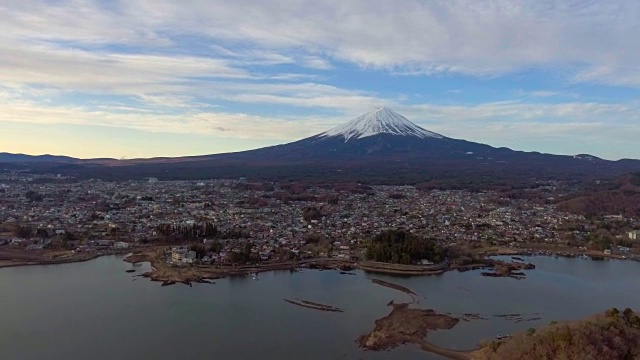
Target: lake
{"points": [[94, 310]]}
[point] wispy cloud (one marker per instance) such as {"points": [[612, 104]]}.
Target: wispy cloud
{"points": [[463, 36], [221, 124]]}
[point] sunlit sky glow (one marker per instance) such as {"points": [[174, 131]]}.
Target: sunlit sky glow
{"points": [[151, 78]]}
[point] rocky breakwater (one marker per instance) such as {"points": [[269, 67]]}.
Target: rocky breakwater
{"points": [[403, 270], [313, 305]]}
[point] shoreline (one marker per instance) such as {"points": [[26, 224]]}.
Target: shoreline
{"points": [[17, 262], [557, 253], [171, 274]]}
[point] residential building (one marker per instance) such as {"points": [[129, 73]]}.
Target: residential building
{"points": [[121, 245], [178, 253]]}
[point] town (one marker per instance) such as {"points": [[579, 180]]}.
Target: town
{"points": [[223, 222]]}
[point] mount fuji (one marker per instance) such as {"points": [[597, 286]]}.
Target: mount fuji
{"points": [[379, 121], [380, 146], [379, 133]]}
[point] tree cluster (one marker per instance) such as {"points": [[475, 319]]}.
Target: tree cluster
{"points": [[23, 231], [396, 195], [328, 198], [235, 233], [243, 256], [199, 249], [256, 201], [33, 196], [215, 246], [311, 213], [187, 232], [401, 247]]}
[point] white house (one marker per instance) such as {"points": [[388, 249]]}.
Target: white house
{"points": [[189, 257], [121, 245], [624, 249], [634, 235]]}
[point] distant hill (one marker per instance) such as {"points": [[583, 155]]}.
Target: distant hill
{"points": [[22, 158], [620, 196], [614, 335], [380, 146]]}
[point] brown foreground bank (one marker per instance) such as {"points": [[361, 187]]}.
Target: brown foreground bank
{"points": [[612, 335]]}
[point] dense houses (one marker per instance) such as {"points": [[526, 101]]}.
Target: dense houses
{"points": [[267, 222]]}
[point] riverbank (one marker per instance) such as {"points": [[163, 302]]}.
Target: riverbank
{"points": [[169, 274], [553, 251], [14, 258]]}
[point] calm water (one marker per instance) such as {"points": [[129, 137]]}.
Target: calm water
{"points": [[95, 310]]}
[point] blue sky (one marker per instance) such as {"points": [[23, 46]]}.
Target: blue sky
{"points": [[148, 78]]}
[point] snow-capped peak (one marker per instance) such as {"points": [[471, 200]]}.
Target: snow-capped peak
{"points": [[379, 121]]}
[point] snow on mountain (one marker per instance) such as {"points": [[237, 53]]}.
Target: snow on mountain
{"points": [[379, 121]]}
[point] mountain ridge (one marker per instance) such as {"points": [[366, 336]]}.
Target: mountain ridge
{"points": [[380, 146], [16, 157]]}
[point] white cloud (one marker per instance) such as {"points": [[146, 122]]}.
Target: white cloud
{"points": [[548, 94], [315, 62], [622, 75], [221, 124], [514, 111], [84, 70], [465, 36]]}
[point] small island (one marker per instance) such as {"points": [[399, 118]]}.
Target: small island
{"points": [[405, 325]]}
